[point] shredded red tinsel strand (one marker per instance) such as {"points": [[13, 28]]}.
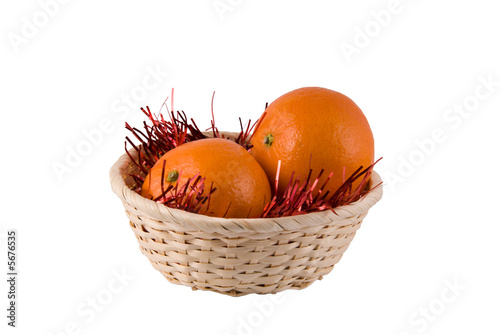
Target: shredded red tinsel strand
{"points": [[298, 197], [161, 135]]}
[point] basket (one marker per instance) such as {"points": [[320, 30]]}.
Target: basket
{"points": [[239, 256]]}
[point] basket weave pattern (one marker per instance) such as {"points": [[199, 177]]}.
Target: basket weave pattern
{"points": [[239, 256]]}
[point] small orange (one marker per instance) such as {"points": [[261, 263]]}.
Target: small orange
{"points": [[242, 187], [317, 128]]}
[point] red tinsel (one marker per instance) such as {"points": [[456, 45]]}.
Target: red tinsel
{"points": [[162, 135]]}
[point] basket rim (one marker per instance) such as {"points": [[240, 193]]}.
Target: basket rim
{"points": [[199, 222]]}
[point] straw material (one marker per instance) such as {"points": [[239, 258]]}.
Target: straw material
{"points": [[239, 256]]}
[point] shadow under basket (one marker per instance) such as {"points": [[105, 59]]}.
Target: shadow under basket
{"points": [[239, 256]]}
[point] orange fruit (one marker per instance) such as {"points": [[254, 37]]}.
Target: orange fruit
{"points": [[317, 128], [242, 187]]}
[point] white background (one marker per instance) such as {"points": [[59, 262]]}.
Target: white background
{"points": [[436, 227]]}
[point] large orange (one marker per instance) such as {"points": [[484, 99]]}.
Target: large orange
{"points": [[313, 127], [241, 183]]}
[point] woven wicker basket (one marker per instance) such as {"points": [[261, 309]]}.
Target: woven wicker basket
{"points": [[239, 256]]}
